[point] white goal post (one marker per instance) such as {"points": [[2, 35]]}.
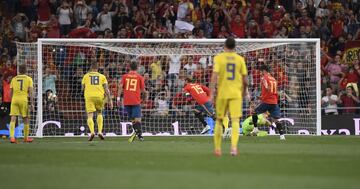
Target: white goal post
{"points": [[295, 61]]}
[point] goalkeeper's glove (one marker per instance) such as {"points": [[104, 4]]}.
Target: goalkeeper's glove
{"points": [[255, 131], [227, 133]]}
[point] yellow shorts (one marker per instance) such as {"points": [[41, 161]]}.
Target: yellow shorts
{"points": [[93, 104], [231, 106], [19, 107]]}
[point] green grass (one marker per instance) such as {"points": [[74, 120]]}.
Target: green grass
{"points": [[181, 162]]}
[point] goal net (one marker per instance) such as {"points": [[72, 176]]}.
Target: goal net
{"points": [[58, 65]]}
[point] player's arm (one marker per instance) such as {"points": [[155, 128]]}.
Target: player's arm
{"points": [[83, 84], [244, 74], [206, 90], [31, 96], [120, 90], [214, 80], [265, 84], [245, 86], [11, 93], [108, 95]]}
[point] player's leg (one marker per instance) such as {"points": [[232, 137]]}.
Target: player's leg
{"points": [[24, 111], [206, 108], [99, 118], [137, 121], [91, 125], [90, 109], [128, 109], [275, 114], [235, 110], [221, 107], [261, 108], [227, 130], [14, 112], [27, 129], [12, 129], [198, 114]]}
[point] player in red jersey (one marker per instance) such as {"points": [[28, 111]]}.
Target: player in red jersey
{"points": [[132, 84], [269, 101], [204, 106]]}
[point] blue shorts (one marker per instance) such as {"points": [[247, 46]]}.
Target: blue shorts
{"points": [[133, 111], [273, 109], [206, 108]]}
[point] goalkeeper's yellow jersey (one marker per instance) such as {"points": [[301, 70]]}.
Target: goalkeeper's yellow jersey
{"points": [[94, 84], [20, 86], [230, 68]]}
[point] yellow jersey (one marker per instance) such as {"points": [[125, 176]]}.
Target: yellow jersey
{"points": [[230, 68], [20, 86], [155, 70], [94, 84]]}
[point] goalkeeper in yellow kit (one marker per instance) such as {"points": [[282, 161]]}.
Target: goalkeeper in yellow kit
{"points": [[21, 87], [95, 88], [229, 77]]}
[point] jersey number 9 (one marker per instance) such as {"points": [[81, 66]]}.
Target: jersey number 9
{"points": [[230, 68]]}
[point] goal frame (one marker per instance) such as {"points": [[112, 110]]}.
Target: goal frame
{"points": [[41, 41]]}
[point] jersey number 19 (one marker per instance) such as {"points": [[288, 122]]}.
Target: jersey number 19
{"points": [[131, 84]]}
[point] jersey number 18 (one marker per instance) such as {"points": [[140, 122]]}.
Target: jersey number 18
{"points": [[94, 80]]}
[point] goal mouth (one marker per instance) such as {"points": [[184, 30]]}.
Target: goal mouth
{"points": [[295, 63]]}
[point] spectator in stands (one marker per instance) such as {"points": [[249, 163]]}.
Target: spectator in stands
{"points": [[162, 104], [349, 100], [65, 13], [330, 102], [104, 18], [44, 10], [81, 11], [334, 70], [147, 103], [184, 8], [190, 67], [19, 23], [178, 103], [9, 68], [174, 69], [156, 69]]}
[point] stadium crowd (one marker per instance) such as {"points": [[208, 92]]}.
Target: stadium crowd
{"points": [[334, 21]]}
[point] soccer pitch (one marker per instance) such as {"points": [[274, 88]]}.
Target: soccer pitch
{"points": [[181, 162]]}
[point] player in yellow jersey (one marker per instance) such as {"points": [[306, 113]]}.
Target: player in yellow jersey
{"points": [[21, 88], [229, 79], [95, 88]]}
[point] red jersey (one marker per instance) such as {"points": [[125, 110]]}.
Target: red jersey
{"points": [[133, 84], [269, 95], [198, 92]]}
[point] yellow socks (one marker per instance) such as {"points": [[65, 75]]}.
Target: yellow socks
{"points": [[225, 122], [90, 123], [217, 134], [12, 129], [100, 122], [235, 133], [26, 131]]}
